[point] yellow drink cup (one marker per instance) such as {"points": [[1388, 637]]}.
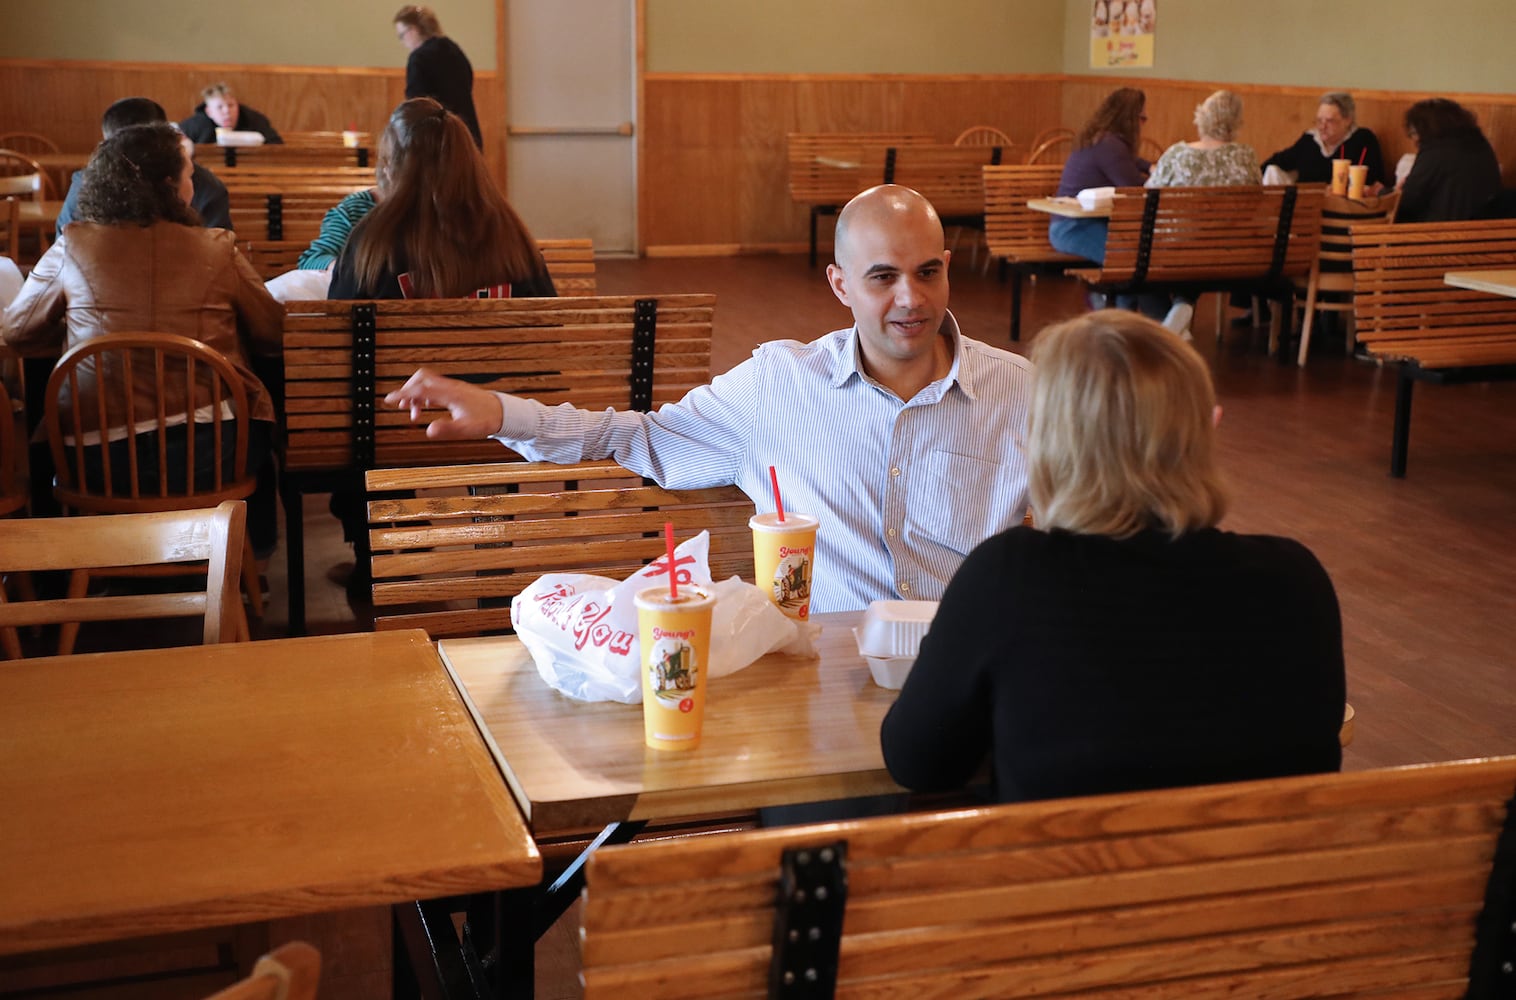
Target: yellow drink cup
{"points": [[675, 638], [784, 553], [1340, 176], [1358, 179]]}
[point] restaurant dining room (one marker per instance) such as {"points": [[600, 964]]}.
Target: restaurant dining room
{"points": [[681, 498]]}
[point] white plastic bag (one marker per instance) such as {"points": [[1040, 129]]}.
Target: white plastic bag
{"points": [[582, 630]]}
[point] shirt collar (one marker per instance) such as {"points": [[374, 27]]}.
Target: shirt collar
{"points": [[1328, 152], [849, 361]]}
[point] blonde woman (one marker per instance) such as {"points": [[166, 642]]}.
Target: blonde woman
{"points": [[1215, 159], [1126, 642]]}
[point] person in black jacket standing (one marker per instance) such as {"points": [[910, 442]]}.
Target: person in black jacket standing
{"points": [[437, 67]]}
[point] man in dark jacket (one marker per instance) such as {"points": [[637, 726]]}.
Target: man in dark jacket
{"points": [[218, 108], [210, 194]]}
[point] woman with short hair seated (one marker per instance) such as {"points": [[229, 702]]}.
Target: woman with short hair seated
{"points": [[136, 259], [1126, 642], [441, 228]]}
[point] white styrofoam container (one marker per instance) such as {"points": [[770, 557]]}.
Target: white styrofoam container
{"points": [[889, 637]]}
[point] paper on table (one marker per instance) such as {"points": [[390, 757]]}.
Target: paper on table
{"points": [[1093, 198]]}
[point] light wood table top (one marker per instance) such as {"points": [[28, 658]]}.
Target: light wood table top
{"points": [[169, 790], [1069, 208], [40, 212], [1499, 282], [783, 730]]}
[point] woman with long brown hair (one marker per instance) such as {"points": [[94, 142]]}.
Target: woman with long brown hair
{"points": [[1105, 155], [441, 228]]}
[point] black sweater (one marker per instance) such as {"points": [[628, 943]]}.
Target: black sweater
{"points": [[1312, 167], [1083, 664], [1455, 178], [437, 68]]}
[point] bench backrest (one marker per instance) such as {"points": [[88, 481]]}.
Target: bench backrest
{"points": [[1349, 885], [293, 213], [1212, 233], [1011, 230], [295, 155], [950, 177], [479, 534], [1403, 308], [595, 351], [828, 168]]}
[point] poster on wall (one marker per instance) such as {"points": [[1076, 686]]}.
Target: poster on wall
{"points": [[1121, 33]]}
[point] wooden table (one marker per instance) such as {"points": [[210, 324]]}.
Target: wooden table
{"points": [[783, 730], [1498, 282], [1069, 208], [168, 790]]}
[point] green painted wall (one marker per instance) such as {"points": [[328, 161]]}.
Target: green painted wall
{"points": [[854, 36], [1455, 46], [274, 32]]}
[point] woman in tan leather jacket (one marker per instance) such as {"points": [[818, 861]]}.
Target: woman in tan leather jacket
{"points": [[136, 259]]}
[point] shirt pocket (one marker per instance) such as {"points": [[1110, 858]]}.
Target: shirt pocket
{"points": [[958, 501]]}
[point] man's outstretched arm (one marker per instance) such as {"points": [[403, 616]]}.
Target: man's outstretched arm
{"points": [[473, 413]]}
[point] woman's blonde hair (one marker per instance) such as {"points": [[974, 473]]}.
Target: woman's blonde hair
{"points": [[1219, 116], [1120, 433]]}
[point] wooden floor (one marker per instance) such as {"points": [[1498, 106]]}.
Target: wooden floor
{"points": [[1425, 567]]}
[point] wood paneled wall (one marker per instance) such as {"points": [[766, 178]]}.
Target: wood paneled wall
{"points": [[713, 168], [63, 99], [712, 173], [713, 147]]}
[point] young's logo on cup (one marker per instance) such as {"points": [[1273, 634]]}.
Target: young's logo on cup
{"points": [[792, 579], [672, 671]]}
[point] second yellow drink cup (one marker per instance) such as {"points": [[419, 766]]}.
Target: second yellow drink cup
{"points": [[1340, 176], [675, 638], [1358, 177], [784, 553]]}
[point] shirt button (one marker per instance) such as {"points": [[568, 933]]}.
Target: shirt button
{"points": [[891, 532], [894, 472], [905, 588]]}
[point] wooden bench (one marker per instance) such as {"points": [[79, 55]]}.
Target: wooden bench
{"points": [[828, 168], [295, 155], [1397, 882], [1018, 234], [1255, 240], [293, 214], [1405, 312], [454, 560], [342, 358]]}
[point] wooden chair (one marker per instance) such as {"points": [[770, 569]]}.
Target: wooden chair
{"points": [[28, 143], [1018, 234], [14, 164], [1369, 884], [111, 542], [22, 179], [1332, 273], [220, 395], [984, 135], [455, 560], [289, 972], [1052, 146]]}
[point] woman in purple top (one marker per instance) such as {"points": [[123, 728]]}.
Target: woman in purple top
{"points": [[1105, 156]]}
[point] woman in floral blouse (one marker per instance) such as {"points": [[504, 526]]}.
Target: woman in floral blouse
{"points": [[1213, 160]]}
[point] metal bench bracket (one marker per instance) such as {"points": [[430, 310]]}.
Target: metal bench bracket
{"points": [[363, 327], [644, 339], [808, 921]]}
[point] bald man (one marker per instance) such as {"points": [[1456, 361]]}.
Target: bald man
{"points": [[899, 433]]}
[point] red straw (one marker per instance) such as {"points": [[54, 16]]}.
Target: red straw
{"points": [[668, 536], [778, 503], [1362, 155]]}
